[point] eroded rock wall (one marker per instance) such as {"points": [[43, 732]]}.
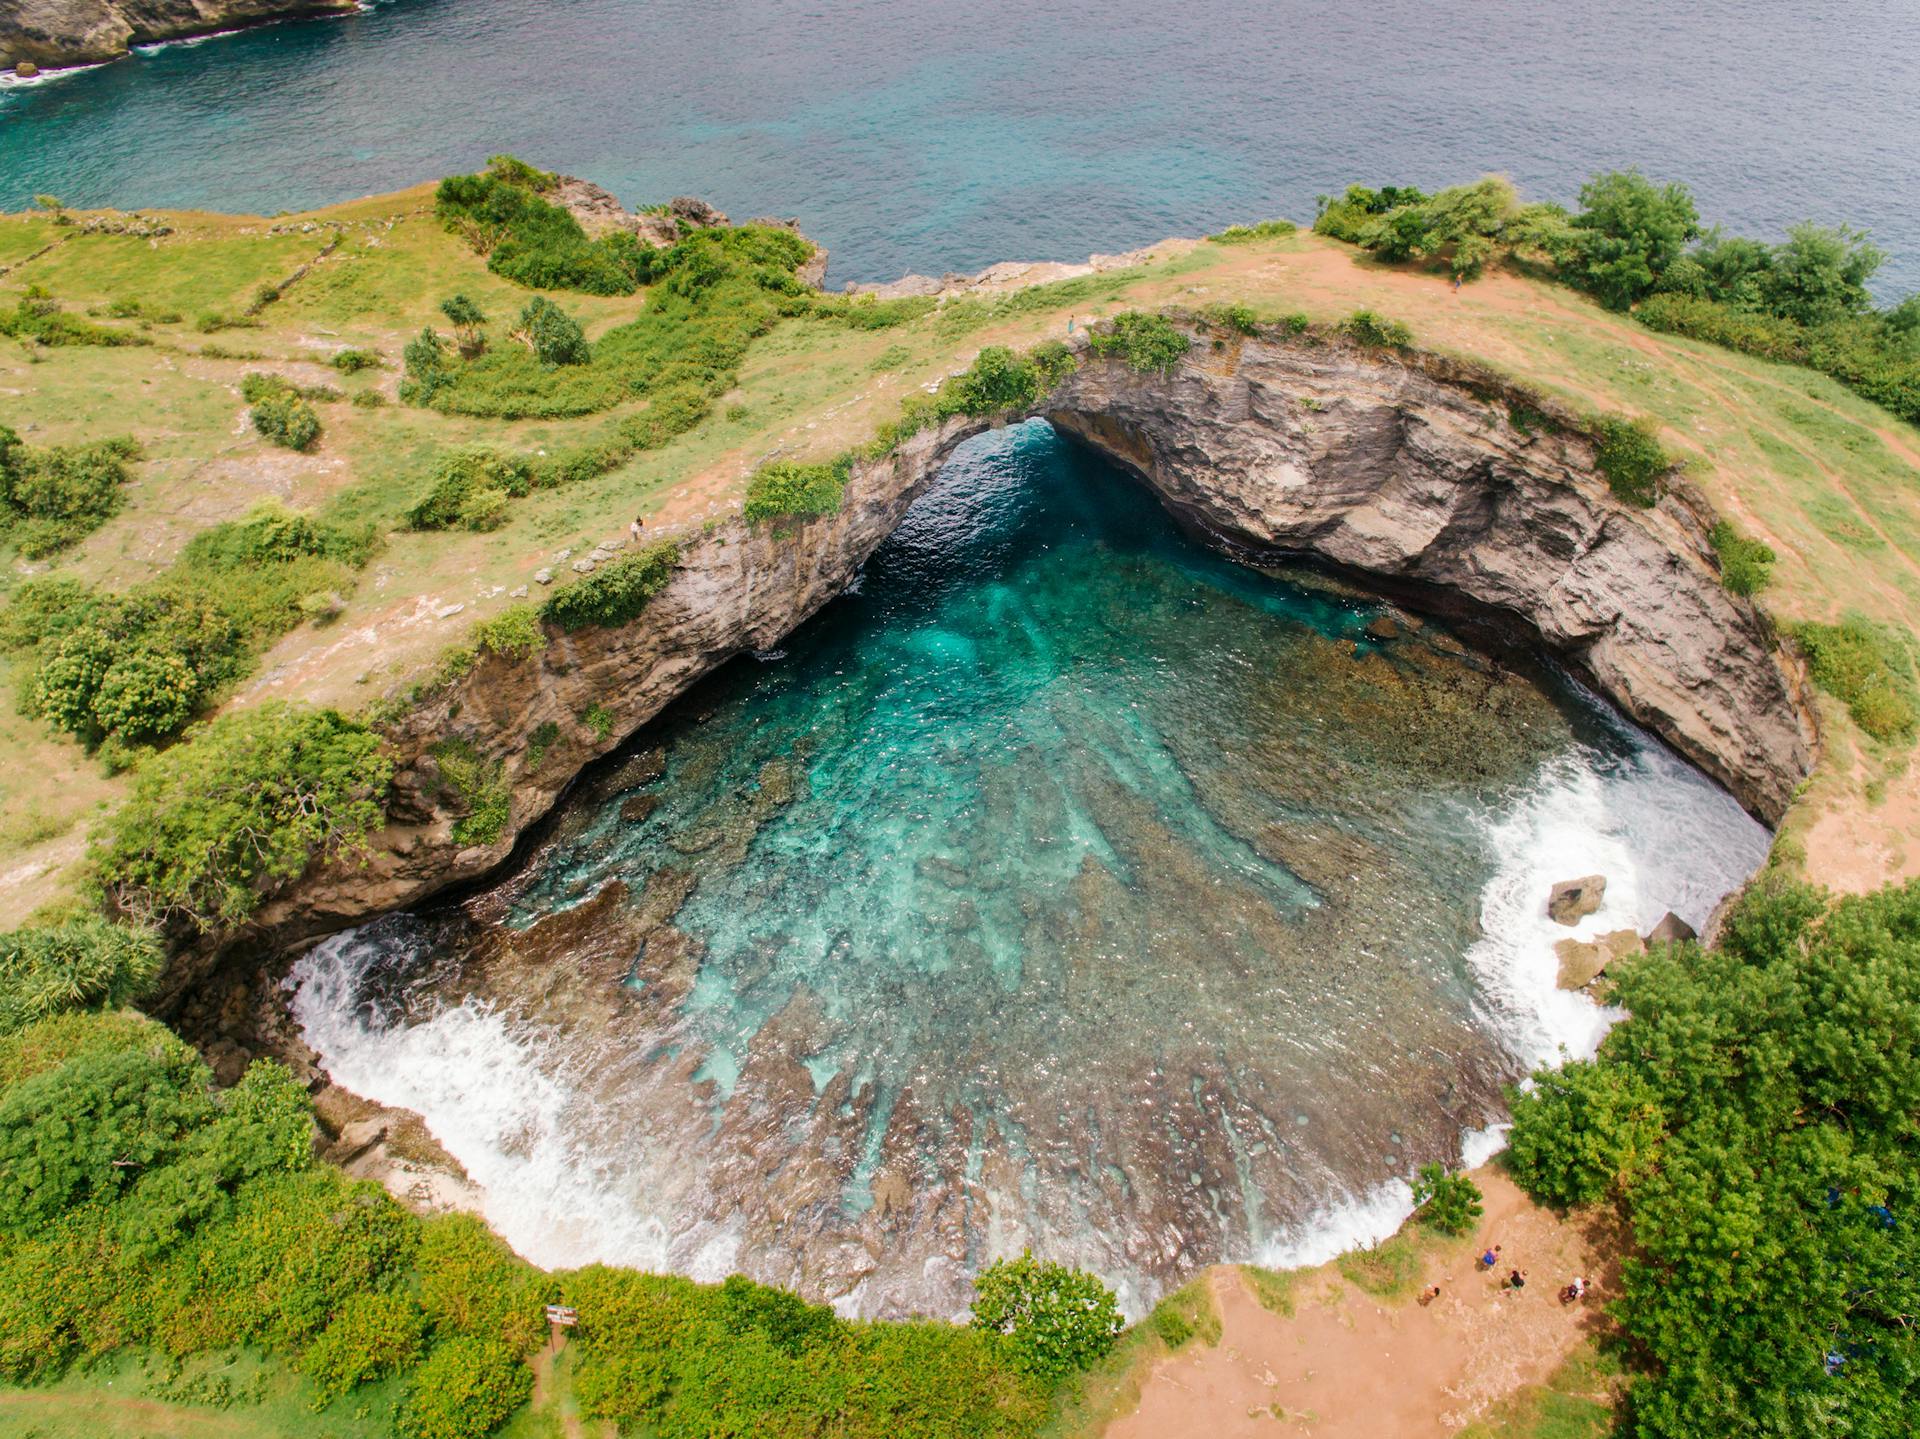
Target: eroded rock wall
{"points": [[1406, 469], [1413, 472]]}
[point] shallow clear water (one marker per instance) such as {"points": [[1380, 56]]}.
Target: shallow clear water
{"points": [[1065, 885], [917, 136]]}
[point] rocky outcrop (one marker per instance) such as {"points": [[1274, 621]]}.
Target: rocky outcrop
{"points": [[1572, 900], [80, 32], [1403, 470], [1584, 961], [599, 211]]}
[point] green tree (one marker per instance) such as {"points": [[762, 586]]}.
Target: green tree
{"points": [[1819, 275], [1444, 1200], [552, 334], [469, 323], [1054, 1320], [1631, 231]]}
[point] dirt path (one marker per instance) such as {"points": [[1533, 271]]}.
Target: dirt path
{"points": [[1348, 1366]]}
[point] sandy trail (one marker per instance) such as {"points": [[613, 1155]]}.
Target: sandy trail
{"points": [[1349, 1366]]}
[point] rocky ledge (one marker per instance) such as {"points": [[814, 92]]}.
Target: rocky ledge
{"points": [[1407, 471], [49, 33]]}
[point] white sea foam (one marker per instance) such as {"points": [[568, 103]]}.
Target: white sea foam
{"points": [[490, 1094], [1665, 838]]}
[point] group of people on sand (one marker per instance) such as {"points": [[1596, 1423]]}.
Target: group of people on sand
{"points": [[1516, 1280]]}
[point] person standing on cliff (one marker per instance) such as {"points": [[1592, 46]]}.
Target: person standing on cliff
{"points": [[635, 528]]}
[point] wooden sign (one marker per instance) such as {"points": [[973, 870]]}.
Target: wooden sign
{"points": [[559, 1314]]}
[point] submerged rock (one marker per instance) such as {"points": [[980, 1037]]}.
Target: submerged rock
{"points": [[1573, 900]]}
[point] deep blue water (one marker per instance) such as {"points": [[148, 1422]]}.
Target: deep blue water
{"points": [[917, 136]]}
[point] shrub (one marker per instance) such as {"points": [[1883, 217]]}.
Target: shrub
{"points": [[515, 633], [1245, 234], [552, 334], [1364, 327], [479, 786], [1866, 669], [367, 400], [428, 368], [472, 1284], [50, 498], [1148, 343], [458, 477], [1053, 1319], [146, 695], [286, 419], [352, 362], [1628, 453], [533, 242], [86, 963], [1746, 566], [1238, 318], [787, 489], [65, 686], [216, 824], [466, 1389], [1170, 1324], [1445, 1201], [373, 1336], [598, 719], [616, 593]]}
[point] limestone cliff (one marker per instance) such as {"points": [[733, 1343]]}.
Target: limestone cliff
{"points": [[51, 33], [1407, 470]]}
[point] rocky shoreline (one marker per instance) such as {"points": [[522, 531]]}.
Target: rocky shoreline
{"points": [[40, 35]]}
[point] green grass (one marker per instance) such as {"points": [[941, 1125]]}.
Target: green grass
{"points": [[130, 1397], [1391, 1269], [1576, 1402], [1274, 1288]]}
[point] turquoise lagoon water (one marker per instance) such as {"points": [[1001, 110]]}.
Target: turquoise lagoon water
{"points": [[1066, 884], [919, 136]]}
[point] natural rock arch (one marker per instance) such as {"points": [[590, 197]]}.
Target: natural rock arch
{"points": [[1409, 471]]}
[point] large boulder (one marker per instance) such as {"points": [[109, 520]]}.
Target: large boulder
{"points": [[1572, 900], [1582, 962], [1671, 930], [697, 213]]}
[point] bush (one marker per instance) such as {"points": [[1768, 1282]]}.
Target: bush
{"points": [[472, 1284], [616, 593], [1628, 453], [786, 489], [478, 785], [515, 633], [1630, 232], [146, 695], [352, 362], [51, 498], [532, 241], [1054, 1320], [86, 963], [429, 369], [1148, 343], [373, 1336], [1866, 669], [286, 419], [1245, 234], [1364, 327], [1445, 1201], [216, 824], [461, 486], [552, 334], [466, 1389], [1746, 566]]}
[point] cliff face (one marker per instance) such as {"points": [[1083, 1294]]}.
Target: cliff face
{"points": [[1409, 471], [79, 32], [1413, 474]]}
